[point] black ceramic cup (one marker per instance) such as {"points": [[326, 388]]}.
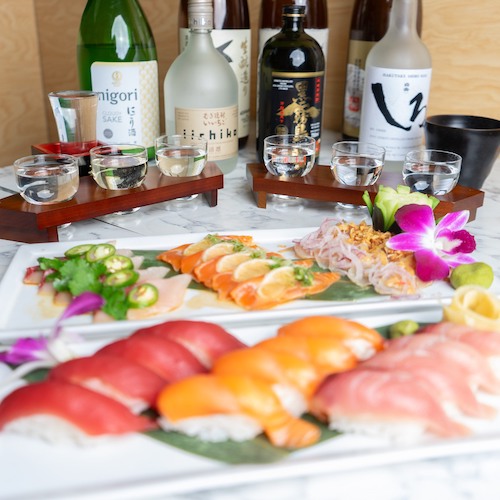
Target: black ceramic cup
{"points": [[476, 139]]}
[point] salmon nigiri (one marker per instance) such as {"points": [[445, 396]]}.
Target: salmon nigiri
{"points": [[380, 402], [207, 341], [362, 340], [223, 407], [292, 378], [128, 382], [59, 411]]}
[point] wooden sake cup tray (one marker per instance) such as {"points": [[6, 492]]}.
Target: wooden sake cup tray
{"points": [[29, 223], [320, 185]]}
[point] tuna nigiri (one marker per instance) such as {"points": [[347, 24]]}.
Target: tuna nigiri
{"points": [[223, 407], [207, 341], [128, 382], [166, 358], [362, 340], [58, 411], [382, 402]]}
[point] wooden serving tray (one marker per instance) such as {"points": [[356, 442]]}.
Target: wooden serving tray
{"points": [[23, 221], [320, 185]]}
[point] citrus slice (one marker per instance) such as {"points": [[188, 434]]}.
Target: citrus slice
{"points": [[277, 282], [217, 250], [199, 246], [252, 268], [228, 263], [474, 306]]}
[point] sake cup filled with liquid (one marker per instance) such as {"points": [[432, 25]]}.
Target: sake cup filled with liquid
{"points": [[179, 156], [431, 171], [289, 155], [119, 166], [47, 179]]}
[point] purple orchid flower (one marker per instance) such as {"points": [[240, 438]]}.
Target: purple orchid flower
{"points": [[437, 247], [52, 348]]}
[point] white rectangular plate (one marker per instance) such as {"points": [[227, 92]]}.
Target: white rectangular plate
{"points": [[140, 467], [26, 313]]}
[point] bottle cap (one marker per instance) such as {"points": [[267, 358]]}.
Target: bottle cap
{"points": [[201, 14]]}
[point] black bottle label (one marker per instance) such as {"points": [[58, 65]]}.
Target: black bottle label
{"points": [[296, 103]]}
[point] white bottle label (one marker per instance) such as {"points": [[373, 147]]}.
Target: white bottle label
{"points": [[394, 109], [234, 45], [128, 109], [218, 125]]}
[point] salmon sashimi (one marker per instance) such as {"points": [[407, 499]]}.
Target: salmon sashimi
{"points": [[473, 365], [166, 358], [326, 354], [446, 378], [372, 401], [292, 378], [174, 256], [362, 340], [59, 411], [128, 382], [206, 341], [223, 407]]}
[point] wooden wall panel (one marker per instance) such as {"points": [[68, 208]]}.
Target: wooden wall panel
{"points": [[463, 37]]}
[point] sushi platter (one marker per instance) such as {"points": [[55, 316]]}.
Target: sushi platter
{"points": [[27, 313], [136, 466]]}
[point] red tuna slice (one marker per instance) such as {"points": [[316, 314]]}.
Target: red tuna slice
{"points": [[91, 412], [473, 364], [119, 378], [207, 341], [167, 358], [447, 378], [369, 396]]}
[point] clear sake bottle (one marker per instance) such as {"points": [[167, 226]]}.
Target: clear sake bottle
{"points": [[396, 89], [201, 91], [116, 56]]}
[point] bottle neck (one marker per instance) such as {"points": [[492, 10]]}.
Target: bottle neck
{"points": [[293, 23], [200, 17], [403, 18]]}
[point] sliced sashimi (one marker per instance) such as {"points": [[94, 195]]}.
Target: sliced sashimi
{"points": [[173, 256], [207, 341], [171, 292], [380, 401], [32, 409], [166, 358], [128, 382], [209, 406]]}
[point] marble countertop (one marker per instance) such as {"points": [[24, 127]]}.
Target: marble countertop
{"points": [[474, 476]]}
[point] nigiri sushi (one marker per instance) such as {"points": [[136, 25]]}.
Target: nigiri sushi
{"points": [[383, 403], [231, 407], [60, 412], [292, 379], [126, 381], [362, 340], [326, 354], [206, 341], [166, 358]]}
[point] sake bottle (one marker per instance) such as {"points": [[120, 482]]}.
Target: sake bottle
{"points": [[315, 20], [232, 38], [396, 88], [116, 56], [369, 22], [291, 78], [201, 91]]}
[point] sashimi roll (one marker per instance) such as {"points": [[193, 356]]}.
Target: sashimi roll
{"points": [[207, 341], [231, 407], [383, 403], [362, 340], [61, 412], [166, 358], [126, 381]]}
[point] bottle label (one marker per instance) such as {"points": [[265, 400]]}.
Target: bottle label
{"points": [[355, 80], [394, 109], [218, 125], [234, 45], [319, 34], [128, 108], [296, 103]]}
